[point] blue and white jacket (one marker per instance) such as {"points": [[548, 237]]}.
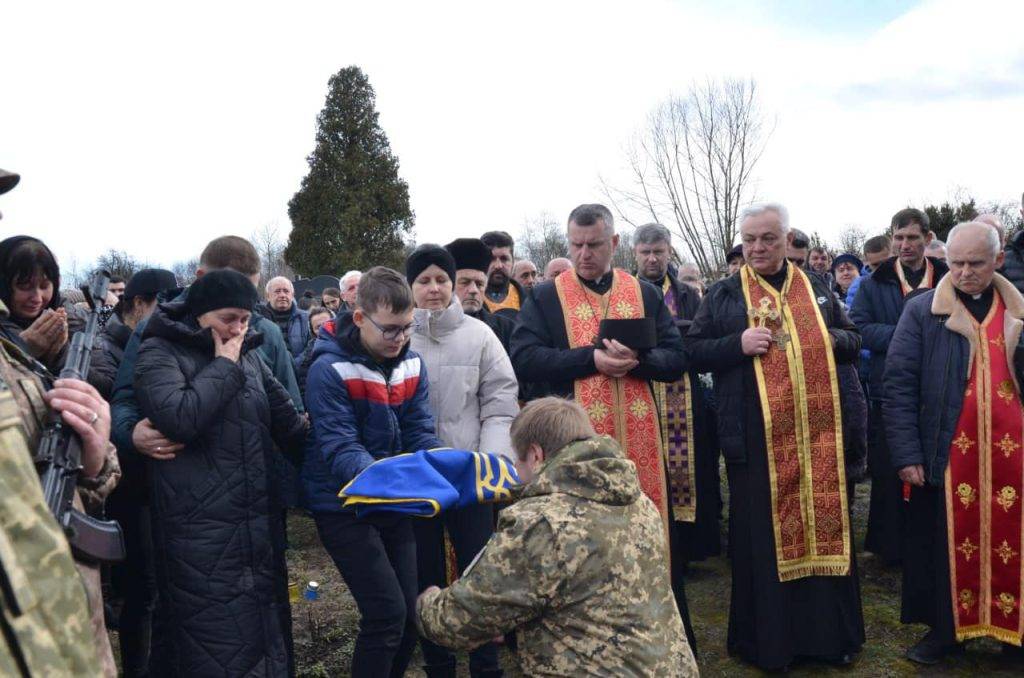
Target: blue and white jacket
{"points": [[360, 411]]}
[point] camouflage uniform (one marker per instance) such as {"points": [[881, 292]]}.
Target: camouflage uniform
{"points": [[48, 614], [579, 567]]}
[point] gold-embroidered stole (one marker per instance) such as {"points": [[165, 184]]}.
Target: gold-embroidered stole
{"points": [[675, 403], [799, 393], [622, 408], [984, 515]]}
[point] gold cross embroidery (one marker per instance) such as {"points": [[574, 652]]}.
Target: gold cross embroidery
{"points": [[1005, 552], [764, 314], [963, 442], [1008, 445], [967, 548]]}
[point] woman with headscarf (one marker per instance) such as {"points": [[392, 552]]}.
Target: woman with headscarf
{"points": [[219, 548], [38, 322]]}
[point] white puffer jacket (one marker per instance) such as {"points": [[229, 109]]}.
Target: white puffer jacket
{"points": [[473, 390]]}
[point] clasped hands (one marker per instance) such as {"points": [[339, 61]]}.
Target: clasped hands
{"points": [[47, 335], [615, 359]]}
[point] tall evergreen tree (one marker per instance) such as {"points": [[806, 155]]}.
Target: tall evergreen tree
{"points": [[352, 209]]}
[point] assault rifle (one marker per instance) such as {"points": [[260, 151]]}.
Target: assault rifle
{"points": [[59, 458]]}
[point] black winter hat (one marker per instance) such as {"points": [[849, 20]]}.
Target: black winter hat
{"points": [[219, 289], [425, 255], [736, 251], [150, 281], [470, 253]]}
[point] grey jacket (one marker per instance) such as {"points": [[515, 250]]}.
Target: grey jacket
{"points": [[473, 389]]}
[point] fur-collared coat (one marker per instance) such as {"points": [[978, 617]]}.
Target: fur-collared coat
{"points": [[927, 371]]}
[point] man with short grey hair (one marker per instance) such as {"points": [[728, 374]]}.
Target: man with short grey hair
{"points": [[602, 337], [691, 449], [774, 338], [955, 424], [282, 309], [349, 285]]}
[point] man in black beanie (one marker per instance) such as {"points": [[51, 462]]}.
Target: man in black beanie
{"points": [[472, 258]]}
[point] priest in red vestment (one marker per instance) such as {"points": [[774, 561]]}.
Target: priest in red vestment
{"points": [[600, 336], [955, 425]]}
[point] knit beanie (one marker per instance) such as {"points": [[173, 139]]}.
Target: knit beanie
{"points": [[219, 289], [425, 255]]}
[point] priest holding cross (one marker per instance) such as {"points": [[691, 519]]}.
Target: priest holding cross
{"points": [[776, 338]]}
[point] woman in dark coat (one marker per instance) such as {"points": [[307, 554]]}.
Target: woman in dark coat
{"points": [[223, 602]]}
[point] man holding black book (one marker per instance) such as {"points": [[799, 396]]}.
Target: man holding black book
{"points": [[600, 336]]}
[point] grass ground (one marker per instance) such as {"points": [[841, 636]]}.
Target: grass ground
{"points": [[325, 630]]}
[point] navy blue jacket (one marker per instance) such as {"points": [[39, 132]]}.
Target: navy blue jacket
{"points": [[876, 310], [360, 411], [926, 375]]}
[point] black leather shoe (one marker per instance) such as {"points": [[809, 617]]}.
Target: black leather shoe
{"points": [[931, 650]]}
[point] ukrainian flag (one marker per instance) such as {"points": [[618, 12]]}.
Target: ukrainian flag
{"points": [[428, 482]]}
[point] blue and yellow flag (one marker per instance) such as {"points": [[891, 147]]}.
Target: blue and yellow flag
{"points": [[428, 482]]}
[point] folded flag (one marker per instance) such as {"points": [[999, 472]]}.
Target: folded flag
{"points": [[428, 482]]}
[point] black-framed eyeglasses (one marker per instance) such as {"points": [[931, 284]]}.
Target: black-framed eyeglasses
{"points": [[392, 333]]}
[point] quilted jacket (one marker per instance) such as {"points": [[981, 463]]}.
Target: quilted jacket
{"points": [[218, 539]]}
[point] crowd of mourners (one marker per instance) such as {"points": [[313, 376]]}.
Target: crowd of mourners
{"points": [[210, 410]]}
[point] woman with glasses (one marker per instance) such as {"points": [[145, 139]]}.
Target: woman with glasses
{"points": [[474, 397]]}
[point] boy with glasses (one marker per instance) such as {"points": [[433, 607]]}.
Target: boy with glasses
{"points": [[366, 395]]}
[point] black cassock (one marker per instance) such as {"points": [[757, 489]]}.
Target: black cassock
{"points": [[545, 365], [771, 623], [926, 594]]}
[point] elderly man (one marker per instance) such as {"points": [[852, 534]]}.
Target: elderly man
{"points": [[692, 450], [562, 346], [956, 430], [286, 314], [472, 259], [876, 309], [774, 337], [525, 273], [555, 267], [349, 284]]}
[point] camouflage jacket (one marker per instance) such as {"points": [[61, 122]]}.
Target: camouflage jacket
{"points": [[44, 609], [26, 415], [579, 567]]}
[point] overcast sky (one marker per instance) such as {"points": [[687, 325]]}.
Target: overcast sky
{"points": [[155, 127]]}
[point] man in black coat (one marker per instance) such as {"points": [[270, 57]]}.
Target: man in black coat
{"points": [[557, 350], [687, 422], [774, 337], [876, 310]]}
